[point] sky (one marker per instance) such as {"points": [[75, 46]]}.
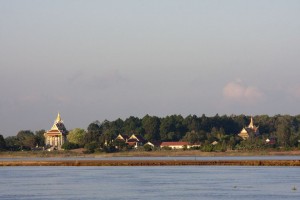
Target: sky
{"points": [[96, 60]]}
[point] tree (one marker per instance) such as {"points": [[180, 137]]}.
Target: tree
{"points": [[2, 143], [168, 128], [151, 127], [91, 147], [192, 123], [192, 137], [132, 124], [26, 139], [106, 139], [283, 131], [12, 143], [77, 136], [40, 138], [94, 131], [69, 145]]}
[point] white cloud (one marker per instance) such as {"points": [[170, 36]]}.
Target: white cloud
{"points": [[236, 91]]}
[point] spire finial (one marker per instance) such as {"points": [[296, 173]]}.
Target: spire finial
{"points": [[58, 119], [251, 125]]}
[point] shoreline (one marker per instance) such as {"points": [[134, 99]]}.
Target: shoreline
{"points": [[171, 153], [294, 163]]}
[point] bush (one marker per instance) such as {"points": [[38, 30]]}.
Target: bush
{"points": [[166, 148], [147, 147], [207, 148], [90, 147], [109, 149], [69, 146]]}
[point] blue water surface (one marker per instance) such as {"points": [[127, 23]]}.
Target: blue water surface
{"points": [[167, 182]]}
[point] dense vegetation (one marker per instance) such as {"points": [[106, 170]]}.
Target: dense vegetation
{"points": [[284, 129]]}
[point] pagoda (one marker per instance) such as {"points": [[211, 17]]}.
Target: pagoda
{"points": [[250, 129], [57, 135]]}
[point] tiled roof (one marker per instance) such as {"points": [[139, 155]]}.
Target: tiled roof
{"points": [[131, 143], [53, 132], [138, 138]]}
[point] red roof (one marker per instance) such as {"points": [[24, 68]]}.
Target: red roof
{"points": [[174, 143], [131, 143], [53, 132]]}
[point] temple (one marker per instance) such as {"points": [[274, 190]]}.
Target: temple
{"points": [[57, 135], [251, 129]]}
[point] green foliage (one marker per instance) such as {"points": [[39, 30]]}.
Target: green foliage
{"points": [[12, 143], [148, 147], [207, 148], [109, 149], [166, 148], [119, 144], [151, 127], [91, 147], [252, 143], [26, 139], [283, 131], [132, 124], [2, 143], [77, 136], [69, 146], [93, 133], [39, 138], [193, 129], [192, 137]]}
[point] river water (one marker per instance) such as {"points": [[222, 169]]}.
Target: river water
{"points": [[155, 182]]}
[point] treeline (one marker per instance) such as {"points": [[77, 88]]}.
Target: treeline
{"points": [[220, 130]]}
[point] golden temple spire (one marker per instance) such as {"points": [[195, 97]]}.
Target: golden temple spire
{"points": [[251, 125], [58, 119]]}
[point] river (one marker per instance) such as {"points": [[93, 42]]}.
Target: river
{"points": [[168, 182]]}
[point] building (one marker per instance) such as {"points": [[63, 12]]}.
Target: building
{"points": [[133, 140], [57, 135], [178, 145], [250, 129], [175, 145], [122, 137], [136, 141]]}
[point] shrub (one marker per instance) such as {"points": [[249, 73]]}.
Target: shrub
{"points": [[90, 147], [147, 147], [69, 146], [167, 148]]}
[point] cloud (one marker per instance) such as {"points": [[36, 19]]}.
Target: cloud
{"points": [[236, 91]]}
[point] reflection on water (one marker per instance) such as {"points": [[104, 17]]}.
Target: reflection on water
{"points": [[168, 182]]}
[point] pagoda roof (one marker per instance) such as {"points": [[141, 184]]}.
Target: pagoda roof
{"points": [[58, 127]]}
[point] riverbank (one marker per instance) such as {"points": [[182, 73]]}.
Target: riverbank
{"points": [[169, 153], [152, 163]]}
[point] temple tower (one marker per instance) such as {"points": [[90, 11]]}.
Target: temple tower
{"points": [[57, 135], [251, 129]]}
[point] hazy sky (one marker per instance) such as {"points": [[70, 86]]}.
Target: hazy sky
{"points": [[96, 60]]}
